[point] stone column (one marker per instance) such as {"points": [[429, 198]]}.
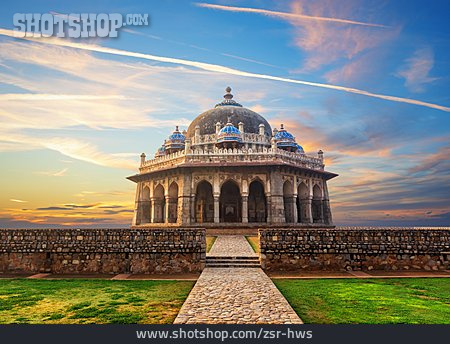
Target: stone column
{"points": [[137, 208], [277, 206], [308, 209], [326, 205], [269, 207], [137, 218], [326, 212], [309, 216], [167, 209], [184, 204], [216, 208], [321, 211], [192, 209], [294, 208], [244, 209], [153, 213]]}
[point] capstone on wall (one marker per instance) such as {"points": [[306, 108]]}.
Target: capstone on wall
{"points": [[355, 249], [106, 251]]}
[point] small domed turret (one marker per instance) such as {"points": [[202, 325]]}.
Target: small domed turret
{"points": [[229, 136], [175, 141], [160, 152], [285, 140]]}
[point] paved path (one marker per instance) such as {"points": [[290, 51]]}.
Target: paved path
{"points": [[235, 295], [231, 245]]}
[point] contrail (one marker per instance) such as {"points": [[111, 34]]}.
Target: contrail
{"points": [[221, 69], [286, 15]]}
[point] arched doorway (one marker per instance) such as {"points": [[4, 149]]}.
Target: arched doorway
{"points": [[257, 206], [160, 204], [230, 203], [173, 202], [204, 203], [317, 204], [302, 203], [145, 206], [288, 199]]}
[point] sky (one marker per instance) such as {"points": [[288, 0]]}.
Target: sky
{"points": [[365, 81]]}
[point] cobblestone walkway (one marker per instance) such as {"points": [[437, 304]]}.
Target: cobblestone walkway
{"points": [[231, 245], [235, 295]]}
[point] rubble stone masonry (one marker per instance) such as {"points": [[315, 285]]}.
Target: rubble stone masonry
{"points": [[74, 251], [355, 248]]}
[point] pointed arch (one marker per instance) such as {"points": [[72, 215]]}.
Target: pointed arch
{"points": [[257, 204], [230, 202], [204, 202], [173, 203], [302, 202], [160, 204], [145, 206], [316, 206]]}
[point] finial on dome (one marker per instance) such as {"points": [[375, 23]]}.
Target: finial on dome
{"points": [[176, 128], [228, 95], [228, 99], [281, 126]]}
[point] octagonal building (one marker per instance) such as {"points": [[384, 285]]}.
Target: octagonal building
{"points": [[231, 170]]}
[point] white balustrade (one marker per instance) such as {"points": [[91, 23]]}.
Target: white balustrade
{"points": [[205, 156]]}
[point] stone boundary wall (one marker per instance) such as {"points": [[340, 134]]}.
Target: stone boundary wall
{"points": [[106, 251], [355, 248]]}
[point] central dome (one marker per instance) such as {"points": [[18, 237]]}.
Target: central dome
{"points": [[229, 110]]}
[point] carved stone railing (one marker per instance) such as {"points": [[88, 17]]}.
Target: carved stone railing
{"points": [[200, 156]]}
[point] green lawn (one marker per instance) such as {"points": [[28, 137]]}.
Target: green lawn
{"points": [[369, 301], [97, 301], [210, 242], [254, 242]]}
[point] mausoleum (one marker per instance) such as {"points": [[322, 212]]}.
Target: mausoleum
{"points": [[231, 169]]}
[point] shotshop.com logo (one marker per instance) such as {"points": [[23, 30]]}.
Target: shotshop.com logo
{"points": [[74, 25]]}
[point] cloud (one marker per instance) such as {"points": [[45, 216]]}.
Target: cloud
{"points": [[17, 200], [285, 15], [325, 43], [417, 69], [74, 148], [52, 208], [87, 152], [80, 206], [354, 70], [49, 97], [431, 162], [224, 70], [60, 173], [375, 179], [89, 214], [258, 108]]}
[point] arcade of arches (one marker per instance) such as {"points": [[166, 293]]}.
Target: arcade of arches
{"points": [[234, 201]]}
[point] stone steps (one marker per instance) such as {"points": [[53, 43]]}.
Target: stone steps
{"points": [[232, 262]]}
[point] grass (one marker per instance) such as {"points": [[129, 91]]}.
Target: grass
{"points": [[81, 301], [254, 242], [210, 240], [369, 301]]}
